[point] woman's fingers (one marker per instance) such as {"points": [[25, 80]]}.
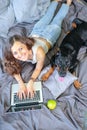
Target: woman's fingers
{"points": [[22, 95], [30, 92]]}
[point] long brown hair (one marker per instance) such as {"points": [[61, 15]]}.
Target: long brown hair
{"points": [[10, 64], [28, 41]]}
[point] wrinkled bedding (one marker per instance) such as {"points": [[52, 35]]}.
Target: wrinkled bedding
{"points": [[71, 104]]}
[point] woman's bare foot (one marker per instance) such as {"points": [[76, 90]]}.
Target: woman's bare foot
{"points": [[69, 2]]}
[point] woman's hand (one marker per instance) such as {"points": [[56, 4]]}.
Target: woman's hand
{"points": [[30, 89], [22, 92]]}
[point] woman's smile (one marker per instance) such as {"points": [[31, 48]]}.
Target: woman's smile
{"points": [[21, 52]]}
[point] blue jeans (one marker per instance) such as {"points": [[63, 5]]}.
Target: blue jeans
{"points": [[48, 27]]}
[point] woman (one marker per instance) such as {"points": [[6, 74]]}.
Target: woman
{"points": [[34, 48]]}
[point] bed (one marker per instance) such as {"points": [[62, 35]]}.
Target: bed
{"points": [[71, 110]]}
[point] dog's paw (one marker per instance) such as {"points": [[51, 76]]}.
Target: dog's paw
{"points": [[44, 77], [77, 84]]}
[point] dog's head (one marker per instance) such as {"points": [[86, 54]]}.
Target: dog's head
{"points": [[62, 64], [63, 59]]}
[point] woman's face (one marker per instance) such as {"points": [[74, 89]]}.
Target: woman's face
{"points": [[20, 51]]}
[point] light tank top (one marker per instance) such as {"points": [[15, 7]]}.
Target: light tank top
{"points": [[38, 43]]}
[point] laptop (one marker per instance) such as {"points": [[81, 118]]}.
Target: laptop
{"points": [[28, 103]]}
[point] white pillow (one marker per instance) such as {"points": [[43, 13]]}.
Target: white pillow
{"points": [[29, 10], [7, 19], [4, 4], [56, 84]]}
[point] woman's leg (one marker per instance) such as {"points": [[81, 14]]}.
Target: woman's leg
{"points": [[53, 31], [46, 19], [58, 19]]}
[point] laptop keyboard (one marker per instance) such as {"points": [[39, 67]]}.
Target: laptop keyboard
{"points": [[34, 99]]}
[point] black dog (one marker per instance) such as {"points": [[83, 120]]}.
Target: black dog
{"points": [[66, 58]]}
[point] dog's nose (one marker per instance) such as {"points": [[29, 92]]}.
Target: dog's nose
{"points": [[62, 74]]}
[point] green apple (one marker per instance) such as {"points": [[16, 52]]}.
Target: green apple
{"points": [[51, 104]]}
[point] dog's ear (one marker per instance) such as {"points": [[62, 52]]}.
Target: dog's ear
{"points": [[68, 46], [70, 49], [70, 56]]}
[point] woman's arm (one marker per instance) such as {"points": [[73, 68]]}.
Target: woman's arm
{"points": [[22, 88], [40, 62], [40, 55], [12, 67]]}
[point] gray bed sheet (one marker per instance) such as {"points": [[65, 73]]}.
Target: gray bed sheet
{"points": [[71, 105]]}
